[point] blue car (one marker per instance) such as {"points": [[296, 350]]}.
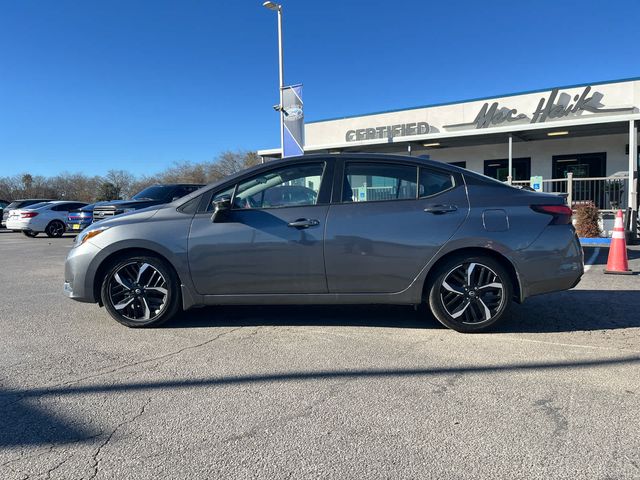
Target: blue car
{"points": [[78, 220]]}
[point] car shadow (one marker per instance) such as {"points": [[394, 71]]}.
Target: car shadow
{"points": [[573, 310]]}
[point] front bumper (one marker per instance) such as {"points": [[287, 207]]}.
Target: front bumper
{"points": [[79, 273]]}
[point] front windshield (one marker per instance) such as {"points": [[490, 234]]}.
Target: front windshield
{"points": [[155, 192]]}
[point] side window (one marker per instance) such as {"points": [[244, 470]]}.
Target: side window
{"points": [[61, 208], [293, 185], [432, 182], [368, 182]]}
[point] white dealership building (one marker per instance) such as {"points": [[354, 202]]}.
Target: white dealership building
{"points": [[587, 133]]}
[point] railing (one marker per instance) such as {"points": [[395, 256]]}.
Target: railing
{"points": [[371, 194], [607, 193]]}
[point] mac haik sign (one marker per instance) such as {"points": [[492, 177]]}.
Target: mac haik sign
{"points": [[556, 106]]}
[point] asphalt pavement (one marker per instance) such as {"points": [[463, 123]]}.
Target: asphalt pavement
{"points": [[315, 392]]}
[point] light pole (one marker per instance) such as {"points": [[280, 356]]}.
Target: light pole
{"points": [[278, 8]]}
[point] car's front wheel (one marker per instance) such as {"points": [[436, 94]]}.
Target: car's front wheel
{"points": [[470, 294], [55, 229], [141, 291]]}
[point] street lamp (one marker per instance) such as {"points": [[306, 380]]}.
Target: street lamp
{"points": [[277, 7]]}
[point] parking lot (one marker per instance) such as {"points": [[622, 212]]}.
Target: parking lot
{"points": [[322, 392]]}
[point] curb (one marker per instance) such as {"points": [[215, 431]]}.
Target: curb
{"points": [[592, 242]]}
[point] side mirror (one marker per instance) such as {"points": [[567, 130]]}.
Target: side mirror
{"points": [[221, 207]]}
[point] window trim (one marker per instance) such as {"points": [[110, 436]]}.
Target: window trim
{"points": [[372, 162], [454, 184], [339, 182], [324, 197], [324, 169]]}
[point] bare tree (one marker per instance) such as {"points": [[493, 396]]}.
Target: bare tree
{"points": [[121, 183]]}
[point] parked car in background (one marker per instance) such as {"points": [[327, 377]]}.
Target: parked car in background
{"points": [[81, 218], [378, 229], [3, 205], [22, 203], [47, 217], [150, 196]]}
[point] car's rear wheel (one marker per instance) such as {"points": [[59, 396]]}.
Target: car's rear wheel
{"points": [[141, 291], [55, 229], [470, 294], [29, 233]]}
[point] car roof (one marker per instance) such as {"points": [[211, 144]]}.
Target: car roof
{"points": [[335, 156], [33, 200], [177, 185]]}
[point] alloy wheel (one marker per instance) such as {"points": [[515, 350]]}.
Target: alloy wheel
{"points": [[55, 229], [472, 293], [138, 291]]}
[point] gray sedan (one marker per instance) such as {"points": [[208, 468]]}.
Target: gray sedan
{"points": [[333, 229]]}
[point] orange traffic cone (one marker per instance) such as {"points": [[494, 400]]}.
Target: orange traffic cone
{"points": [[617, 262]]}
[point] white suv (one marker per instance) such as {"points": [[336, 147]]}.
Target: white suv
{"points": [[47, 217]]}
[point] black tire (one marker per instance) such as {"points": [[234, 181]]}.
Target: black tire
{"points": [[55, 229], [29, 233], [134, 299], [470, 306]]}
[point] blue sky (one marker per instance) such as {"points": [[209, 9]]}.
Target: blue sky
{"points": [[86, 86]]}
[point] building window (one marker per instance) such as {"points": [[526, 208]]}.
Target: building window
{"points": [[459, 164], [582, 165], [499, 169]]}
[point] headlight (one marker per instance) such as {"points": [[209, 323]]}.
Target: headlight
{"points": [[87, 234], [127, 210]]}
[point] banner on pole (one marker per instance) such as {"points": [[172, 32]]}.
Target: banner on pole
{"points": [[293, 120]]}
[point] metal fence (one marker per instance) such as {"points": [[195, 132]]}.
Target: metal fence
{"points": [[607, 193], [370, 194]]}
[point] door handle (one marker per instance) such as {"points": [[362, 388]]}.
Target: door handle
{"points": [[304, 223], [440, 209]]}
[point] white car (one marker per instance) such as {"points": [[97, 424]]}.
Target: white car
{"points": [[47, 217]]}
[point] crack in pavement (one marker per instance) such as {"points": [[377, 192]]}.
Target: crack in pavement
{"points": [[96, 456], [555, 414], [305, 412], [122, 367], [53, 469]]}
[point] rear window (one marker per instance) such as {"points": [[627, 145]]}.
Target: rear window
{"points": [[37, 205]]}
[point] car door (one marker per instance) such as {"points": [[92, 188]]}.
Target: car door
{"points": [[388, 222], [269, 242]]}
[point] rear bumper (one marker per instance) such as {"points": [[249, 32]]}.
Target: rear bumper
{"points": [[18, 225], [77, 226], [552, 263]]}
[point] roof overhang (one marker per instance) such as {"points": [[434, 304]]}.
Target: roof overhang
{"points": [[585, 126]]}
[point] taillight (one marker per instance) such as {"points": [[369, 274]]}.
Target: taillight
{"points": [[561, 213], [28, 214]]}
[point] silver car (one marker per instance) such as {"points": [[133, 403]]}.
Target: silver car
{"points": [[333, 229]]}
